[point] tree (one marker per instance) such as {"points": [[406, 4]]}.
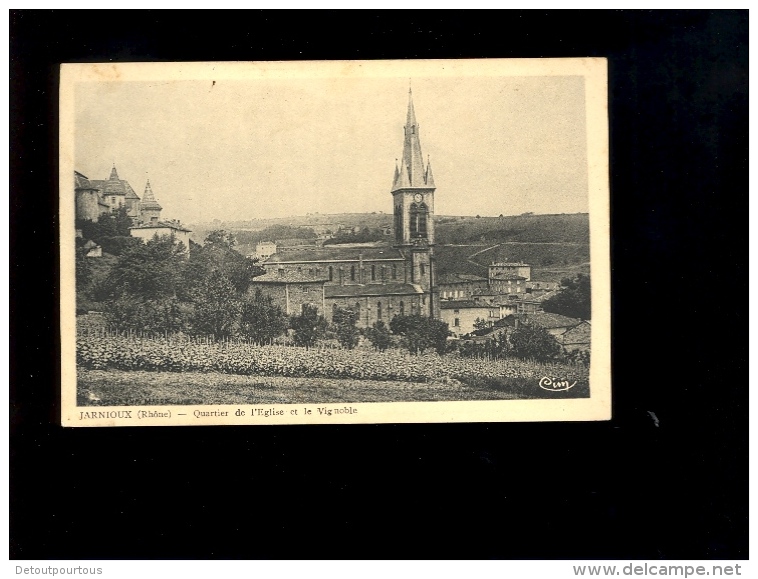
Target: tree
{"points": [[480, 324], [309, 326], [530, 341], [151, 271], [261, 319], [345, 320], [573, 299], [379, 336], [420, 332], [217, 308], [218, 253]]}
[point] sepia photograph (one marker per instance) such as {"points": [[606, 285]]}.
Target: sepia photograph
{"points": [[334, 242]]}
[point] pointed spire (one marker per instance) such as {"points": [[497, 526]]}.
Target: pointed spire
{"points": [[412, 157], [410, 119], [114, 173], [404, 179], [148, 199], [429, 177]]}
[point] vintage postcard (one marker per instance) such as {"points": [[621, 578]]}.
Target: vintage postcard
{"points": [[334, 242]]}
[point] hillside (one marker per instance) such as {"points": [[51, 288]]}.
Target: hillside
{"points": [[562, 228], [555, 245]]}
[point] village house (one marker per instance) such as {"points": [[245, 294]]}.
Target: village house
{"points": [[461, 315], [459, 286], [264, 250]]}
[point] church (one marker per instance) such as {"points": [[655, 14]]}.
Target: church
{"points": [[376, 280]]}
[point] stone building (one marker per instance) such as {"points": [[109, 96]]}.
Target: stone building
{"points": [[89, 203], [174, 229], [505, 269], [379, 279], [461, 315], [459, 286], [114, 191]]}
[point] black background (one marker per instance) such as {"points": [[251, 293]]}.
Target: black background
{"points": [[620, 489]]}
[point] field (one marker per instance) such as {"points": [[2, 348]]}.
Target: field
{"points": [[121, 370], [125, 388]]}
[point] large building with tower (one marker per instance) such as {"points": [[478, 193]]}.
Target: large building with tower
{"points": [[377, 280]]}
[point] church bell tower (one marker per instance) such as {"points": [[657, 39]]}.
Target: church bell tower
{"points": [[413, 200]]}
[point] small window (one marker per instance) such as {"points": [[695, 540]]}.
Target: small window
{"points": [[352, 273], [394, 271], [402, 308], [373, 273], [423, 269], [331, 273], [457, 322], [378, 310]]}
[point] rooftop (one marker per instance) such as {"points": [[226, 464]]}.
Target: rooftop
{"points": [[551, 321], [506, 275], [461, 304], [450, 278], [162, 225], [333, 291], [335, 253], [273, 276]]}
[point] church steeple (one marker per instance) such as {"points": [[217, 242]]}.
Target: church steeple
{"points": [[412, 160], [114, 173]]}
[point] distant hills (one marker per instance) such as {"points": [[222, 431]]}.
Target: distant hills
{"points": [[556, 245], [555, 228]]}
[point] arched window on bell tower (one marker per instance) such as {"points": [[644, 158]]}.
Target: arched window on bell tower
{"points": [[423, 213], [414, 220]]}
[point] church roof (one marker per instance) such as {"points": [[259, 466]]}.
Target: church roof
{"points": [[402, 289], [335, 253], [273, 276]]}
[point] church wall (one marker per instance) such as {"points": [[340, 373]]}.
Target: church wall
{"points": [[292, 296], [342, 272], [368, 307]]}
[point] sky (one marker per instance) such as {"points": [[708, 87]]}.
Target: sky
{"points": [[241, 149]]}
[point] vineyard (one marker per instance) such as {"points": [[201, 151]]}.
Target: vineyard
{"points": [[128, 353]]}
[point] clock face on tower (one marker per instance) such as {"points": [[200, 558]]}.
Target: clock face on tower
{"points": [[418, 197]]}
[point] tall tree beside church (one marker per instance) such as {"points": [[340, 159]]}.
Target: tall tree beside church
{"points": [[218, 254], [309, 326], [217, 309], [345, 320], [262, 320]]}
